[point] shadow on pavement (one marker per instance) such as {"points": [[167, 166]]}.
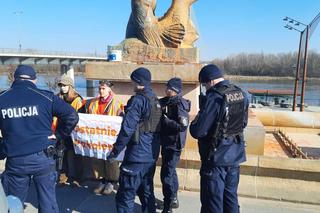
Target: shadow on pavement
{"points": [[80, 199]]}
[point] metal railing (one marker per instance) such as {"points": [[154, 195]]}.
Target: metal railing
{"points": [[50, 53], [291, 146]]}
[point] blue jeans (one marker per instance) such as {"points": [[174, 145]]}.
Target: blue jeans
{"points": [[219, 186], [18, 173], [136, 178], [169, 178]]}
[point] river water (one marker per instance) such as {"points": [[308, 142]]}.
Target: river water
{"points": [[312, 96]]}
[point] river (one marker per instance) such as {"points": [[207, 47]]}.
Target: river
{"points": [[312, 97]]}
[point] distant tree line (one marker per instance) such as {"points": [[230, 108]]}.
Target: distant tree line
{"points": [[260, 64]]}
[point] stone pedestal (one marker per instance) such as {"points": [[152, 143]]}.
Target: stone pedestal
{"points": [[254, 135], [136, 51], [119, 73]]}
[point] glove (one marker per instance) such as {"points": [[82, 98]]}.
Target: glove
{"points": [[111, 157], [52, 137], [202, 101], [184, 121], [2, 154]]}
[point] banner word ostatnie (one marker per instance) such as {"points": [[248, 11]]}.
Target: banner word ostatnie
{"points": [[95, 135]]}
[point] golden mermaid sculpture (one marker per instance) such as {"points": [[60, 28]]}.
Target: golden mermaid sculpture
{"points": [[175, 29]]}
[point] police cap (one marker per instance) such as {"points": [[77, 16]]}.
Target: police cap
{"points": [[25, 72]]}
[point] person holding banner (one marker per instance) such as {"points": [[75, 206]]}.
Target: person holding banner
{"points": [[71, 163], [139, 134], [105, 104]]}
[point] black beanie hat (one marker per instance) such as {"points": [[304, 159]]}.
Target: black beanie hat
{"points": [[209, 72], [141, 76], [175, 84]]}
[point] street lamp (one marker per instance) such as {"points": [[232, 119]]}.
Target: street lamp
{"points": [[292, 28], [289, 27], [18, 14], [291, 20]]}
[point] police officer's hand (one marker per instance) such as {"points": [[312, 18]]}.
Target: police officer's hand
{"points": [[111, 157], [195, 119], [52, 137]]}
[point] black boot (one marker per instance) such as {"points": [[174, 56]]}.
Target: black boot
{"points": [[159, 204], [167, 207], [167, 210], [175, 203]]}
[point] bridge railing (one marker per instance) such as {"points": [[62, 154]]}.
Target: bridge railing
{"points": [[44, 52]]}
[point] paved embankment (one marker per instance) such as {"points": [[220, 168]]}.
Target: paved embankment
{"points": [[295, 180], [83, 200]]}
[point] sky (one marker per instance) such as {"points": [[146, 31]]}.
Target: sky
{"points": [[226, 27]]}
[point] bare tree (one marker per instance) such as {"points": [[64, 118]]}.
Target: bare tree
{"points": [[260, 64], [52, 84], [10, 75]]}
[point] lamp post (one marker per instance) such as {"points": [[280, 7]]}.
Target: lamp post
{"points": [[305, 68], [18, 14], [289, 27]]}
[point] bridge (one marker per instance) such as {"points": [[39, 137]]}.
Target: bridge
{"points": [[31, 56]]}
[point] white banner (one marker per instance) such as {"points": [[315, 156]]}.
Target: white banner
{"points": [[95, 135]]}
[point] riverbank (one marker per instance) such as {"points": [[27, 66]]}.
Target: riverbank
{"points": [[265, 78], [54, 69]]}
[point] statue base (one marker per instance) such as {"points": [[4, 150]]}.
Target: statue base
{"points": [[134, 50]]}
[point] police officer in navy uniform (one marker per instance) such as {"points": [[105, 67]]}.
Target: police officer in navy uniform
{"points": [[219, 129], [139, 134], [25, 123], [174, 124]]}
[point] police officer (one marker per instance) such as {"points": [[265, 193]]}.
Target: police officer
{"points": [[139, 134], [25, 122], [174, 124], [219, 129]]}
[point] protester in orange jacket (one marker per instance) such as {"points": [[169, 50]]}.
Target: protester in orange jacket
{"points": [[72, 164], [105, 104]]}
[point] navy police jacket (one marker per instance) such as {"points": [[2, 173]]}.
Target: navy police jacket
{"points": [[26, 118], [230, 151], [174, 122], [147, 149]]}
